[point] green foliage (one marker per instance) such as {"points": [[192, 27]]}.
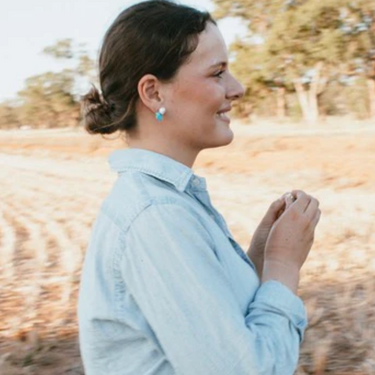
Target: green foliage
{"points": [[338, 36], [288, 43], [332, 102], [48, 100], [356, 98], [294, 109], [9, 116], [63, 49]]}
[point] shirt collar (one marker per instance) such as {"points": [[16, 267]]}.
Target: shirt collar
{"points": [[157, 165]]}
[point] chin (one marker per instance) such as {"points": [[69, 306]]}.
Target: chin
{"points": [[224, 138], [229, 139], [227, 135]]}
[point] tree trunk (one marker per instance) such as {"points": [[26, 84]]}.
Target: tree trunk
{"points": [[303, 99], [371, 95], [308, 99], [314, 91], [281, 103]]}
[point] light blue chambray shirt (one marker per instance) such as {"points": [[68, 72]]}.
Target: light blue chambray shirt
{"points": [[166, 290]]}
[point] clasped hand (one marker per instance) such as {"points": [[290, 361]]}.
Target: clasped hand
{"points": [[285, 236]]}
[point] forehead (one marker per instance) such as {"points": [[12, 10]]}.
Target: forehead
{"points": [[211, 48]]}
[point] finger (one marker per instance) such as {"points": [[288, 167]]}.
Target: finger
{"points": [[296, 193], [312, 209], [274, 211], [289, 200], [302, 200], [316, 218], [281, 210], [285, 195]]}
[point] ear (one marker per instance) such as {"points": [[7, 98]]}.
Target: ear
{"points": [[149, 90]]}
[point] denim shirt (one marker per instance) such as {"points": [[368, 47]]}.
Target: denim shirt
{"points": [[166, 290]]}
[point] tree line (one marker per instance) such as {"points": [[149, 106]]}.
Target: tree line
{"points": [[300, 59], [51, 99], [305, 57]]}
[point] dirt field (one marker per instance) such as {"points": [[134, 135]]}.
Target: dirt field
{"points": [[53, 182]]}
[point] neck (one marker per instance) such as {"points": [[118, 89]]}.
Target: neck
{"points": [[161, 138], [166, 147]]}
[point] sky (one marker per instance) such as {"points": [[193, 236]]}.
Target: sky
{"points": [[28, 26]]}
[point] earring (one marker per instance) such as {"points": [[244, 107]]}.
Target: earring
{"points": [[160, 113]]}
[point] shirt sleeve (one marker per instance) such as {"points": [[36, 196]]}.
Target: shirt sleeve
{"points": [[171, 269]]}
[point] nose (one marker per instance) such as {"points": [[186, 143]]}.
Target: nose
{"points": [[235, 89]]}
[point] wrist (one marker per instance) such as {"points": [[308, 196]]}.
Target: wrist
{"points": [[285, 273], [257, 260]]}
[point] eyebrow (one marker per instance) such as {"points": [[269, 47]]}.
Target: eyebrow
{"points": [[222, 63]]}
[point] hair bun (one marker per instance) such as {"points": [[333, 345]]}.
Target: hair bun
{"points": [[96, 113], [92, 101]]}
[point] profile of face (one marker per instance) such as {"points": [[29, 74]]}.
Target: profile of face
{"points": [[199, 98]]}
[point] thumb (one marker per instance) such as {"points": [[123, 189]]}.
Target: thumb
{"points": [[274, 211]]}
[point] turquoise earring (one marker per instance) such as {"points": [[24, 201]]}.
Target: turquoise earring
{"points": [[160, 113]]}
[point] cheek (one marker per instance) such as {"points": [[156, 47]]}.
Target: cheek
{"points": [[206, 95], [213, 95]]}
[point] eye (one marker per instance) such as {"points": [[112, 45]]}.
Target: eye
{"points": [[219, 74]]}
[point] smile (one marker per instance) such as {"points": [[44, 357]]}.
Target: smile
{"points": [[223, 116]]}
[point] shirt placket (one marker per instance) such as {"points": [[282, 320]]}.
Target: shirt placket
{"points": [[203, 197]]}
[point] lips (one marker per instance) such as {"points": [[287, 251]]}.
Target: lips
{"points": [[222, 114], [226, 109]]}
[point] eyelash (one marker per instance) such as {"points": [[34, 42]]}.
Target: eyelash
{"points": [[219, 74]]}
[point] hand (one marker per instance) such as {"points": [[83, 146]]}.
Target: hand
{"points": [[259, 239], [290, 240]]}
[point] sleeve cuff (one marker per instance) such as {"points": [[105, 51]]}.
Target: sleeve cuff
{"points": [[273, 296]]}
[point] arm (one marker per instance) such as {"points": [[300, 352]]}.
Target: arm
{"points": [[171, 269]]}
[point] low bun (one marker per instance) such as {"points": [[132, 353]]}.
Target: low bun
{"points": [[97, 113], [151, 37]]}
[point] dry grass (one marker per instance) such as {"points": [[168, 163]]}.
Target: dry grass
{"points": [[52, 184]]}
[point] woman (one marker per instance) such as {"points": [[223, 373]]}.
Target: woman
{"points": [[165, 288]]}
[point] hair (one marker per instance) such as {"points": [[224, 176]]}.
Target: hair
{"points": [[152, 37]]}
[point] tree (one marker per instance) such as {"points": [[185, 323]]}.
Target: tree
{"points": [[51, 99], [248, 70], [304, 45], [48, 101], [9, 116], [66, 50], [251, 56], [359, 29]]}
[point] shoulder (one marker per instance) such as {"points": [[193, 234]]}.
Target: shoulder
{"points": [[135, 193]]}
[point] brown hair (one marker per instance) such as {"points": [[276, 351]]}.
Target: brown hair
{"points": [[152, 37]]}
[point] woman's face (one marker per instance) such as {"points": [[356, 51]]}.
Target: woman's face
{"points": [[199, 98]]}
